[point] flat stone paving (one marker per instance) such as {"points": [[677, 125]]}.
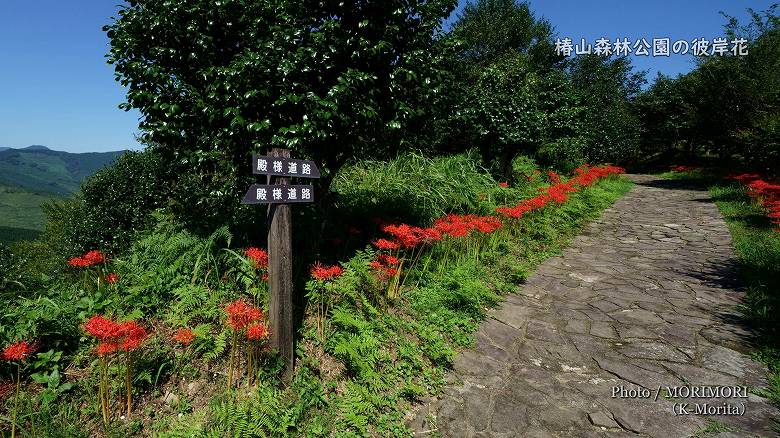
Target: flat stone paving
{"points": [[645, 298]]}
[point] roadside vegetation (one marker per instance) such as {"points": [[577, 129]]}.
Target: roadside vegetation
{"points": [[749, 203], [380, 330]]}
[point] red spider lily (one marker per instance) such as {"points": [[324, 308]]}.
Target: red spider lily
{"points": [[112, 278], [257, 331], [106, 348], [385, 244], [241, 314], [558, 193], [383, 273], [184, 336], [77, 262], [744, 178], [409, 236], [554, 177], [102, 328], [132, 335], [90, 258], [17, 352], [387, 260], [258, 256], [431, 235], [488, 224], [324, 273], [503, 184], [764, 192], [453, 225], [94, 257]]}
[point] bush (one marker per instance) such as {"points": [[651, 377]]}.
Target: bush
{"points": [[118, 200], [564, 154]]}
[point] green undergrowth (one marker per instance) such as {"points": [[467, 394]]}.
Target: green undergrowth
{"points": [[378, 358], [374, 360], [758, 248]]}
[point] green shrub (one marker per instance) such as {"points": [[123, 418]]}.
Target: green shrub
{"points": [[564, 155], [118, 200]]}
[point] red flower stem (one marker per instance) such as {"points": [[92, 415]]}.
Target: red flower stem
{"points": [[128, 384], [16, 399]]}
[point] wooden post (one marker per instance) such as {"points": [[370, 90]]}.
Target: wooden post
{"points": [[280, 274]]}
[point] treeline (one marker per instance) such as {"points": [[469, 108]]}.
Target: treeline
{"points": [[726, 111], [338, 82]]}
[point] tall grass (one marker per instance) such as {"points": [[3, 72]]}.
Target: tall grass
{"points": [[417, 188]]}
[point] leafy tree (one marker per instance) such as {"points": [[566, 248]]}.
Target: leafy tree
{"points": [[509, 92], [216, 81], [666, 115], [491, 29], [608, 86], [726, 108]]}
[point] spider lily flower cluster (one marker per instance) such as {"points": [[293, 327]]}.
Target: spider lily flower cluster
{"points": [[113, 339], [246, 321], [766, 193], [405, 243], [259, 259], [88, 259], [17, 353]]}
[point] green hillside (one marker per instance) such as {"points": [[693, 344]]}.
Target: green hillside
{"points": [[21, 216], [40, 169]]}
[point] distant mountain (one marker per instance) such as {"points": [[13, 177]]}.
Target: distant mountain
{"points": [[42, 170], [2, 148]]}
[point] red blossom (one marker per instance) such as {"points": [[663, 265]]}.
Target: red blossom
{"points": [[102, 328], [324, 273], [257, 331], [503, 184], [77, 262], [387, 259], [112, 278], [241, 314], [106, 347], [94, 257], [258, 256], [90, 258], [184, 336], [554, 177], [386, 244], [17, 352], [558, 192], [132, 335]]}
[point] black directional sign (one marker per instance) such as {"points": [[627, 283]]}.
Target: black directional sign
{"points": [[278, 194], [278, 166]]}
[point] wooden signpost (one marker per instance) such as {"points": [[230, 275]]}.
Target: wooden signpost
{"points": [[278, 193]]}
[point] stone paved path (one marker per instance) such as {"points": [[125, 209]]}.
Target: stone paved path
{"points": [[645, 297]]}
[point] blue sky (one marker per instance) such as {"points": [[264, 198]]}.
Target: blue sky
{"points": [[57, 90]]}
